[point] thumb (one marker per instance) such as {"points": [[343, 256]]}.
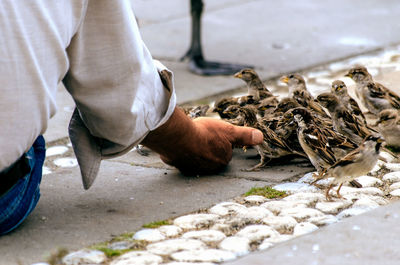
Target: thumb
{"points": [[246, 136]]}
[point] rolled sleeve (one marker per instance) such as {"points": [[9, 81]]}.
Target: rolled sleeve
{"points": [[120, 92]]}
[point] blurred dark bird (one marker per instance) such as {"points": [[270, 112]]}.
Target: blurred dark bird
{"points": [[196, 111], [358, 162], [197, 63], [374, 96], [389, 126], [221, 105], [339, 88]]}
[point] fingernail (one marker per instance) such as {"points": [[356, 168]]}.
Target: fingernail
{"points": [[257, 137]]}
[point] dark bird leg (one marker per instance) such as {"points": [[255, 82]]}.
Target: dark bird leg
{"points": [[197, 63]]}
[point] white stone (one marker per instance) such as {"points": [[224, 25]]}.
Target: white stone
{"points": [[56, 150], [389, 158], [41, 263], [277, 206], [137, 258], [173, 245], [324, 182], [170, 230], [392, 177], [225, 208], [305, 197], [255, 199], [366, 191], [301, 214], [366, 202], [150, 235], [238, 245], [205, 255], [307, 178], [189, 263], [265, 245], [281, 223], [377, 167], [205, 235], [193, 221], [84, 256], [254, 214], [332, 207], [395, 193], [257, 232], [393, 166], [352, 212], [367, 181], [278, 239], [294, 187], [304, 228], [66, 162], [394, 186], [323, 220]]}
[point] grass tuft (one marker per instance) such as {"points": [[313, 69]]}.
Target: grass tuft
{"points": [[267, 192], [157, 224]]}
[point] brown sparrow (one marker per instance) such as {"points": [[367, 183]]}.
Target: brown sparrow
{"points": [[272, 146], [389, 126], [374, 96], [358, 162], [343, 120], [339, 88]]}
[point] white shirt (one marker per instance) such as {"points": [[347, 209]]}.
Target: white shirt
{"points": [[94, 47]]}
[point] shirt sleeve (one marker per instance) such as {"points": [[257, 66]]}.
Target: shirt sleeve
{"points": [[120, 92]]}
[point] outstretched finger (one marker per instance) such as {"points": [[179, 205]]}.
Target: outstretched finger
{"points": [[242, 136]]}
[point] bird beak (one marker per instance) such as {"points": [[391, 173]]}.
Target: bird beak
{"points": [[380, 140], [238, 75], [284, 79], [348, 75]]}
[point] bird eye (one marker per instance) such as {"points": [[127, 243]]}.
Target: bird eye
{"points": [[291, 76]]}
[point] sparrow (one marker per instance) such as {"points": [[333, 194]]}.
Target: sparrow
{"points": [[233, 112], [358, 162], [344, 121], [255, 87], [196, 111], [313, 140], [221, 105], [272, 146], [298, 91], [374, 96], [389, 126], [322, 145], [339, 88]]}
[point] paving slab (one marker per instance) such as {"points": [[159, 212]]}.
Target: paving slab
{"points": [[122, 199], [370, 238]]}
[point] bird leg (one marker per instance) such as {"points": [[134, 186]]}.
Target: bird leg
{"points": [[327, 196], [338, 190], [197, 63], [262, 163], [319, 176]]}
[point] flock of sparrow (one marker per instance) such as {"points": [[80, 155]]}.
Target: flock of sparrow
{"points": [[330, 130]]}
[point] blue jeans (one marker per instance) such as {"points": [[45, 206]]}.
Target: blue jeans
{"points": [[20, 200]]}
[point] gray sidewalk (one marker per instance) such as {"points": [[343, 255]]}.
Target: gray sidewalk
{"points": [[275, 36]]}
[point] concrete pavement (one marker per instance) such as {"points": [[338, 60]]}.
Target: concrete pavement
{"points": [[276, 37]]}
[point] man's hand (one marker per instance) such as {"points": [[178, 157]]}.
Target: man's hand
{"points": [[199, 146]]}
